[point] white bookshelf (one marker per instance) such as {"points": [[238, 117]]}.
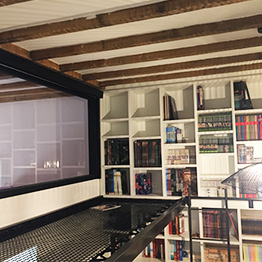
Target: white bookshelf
{"points": [[138, 114]]}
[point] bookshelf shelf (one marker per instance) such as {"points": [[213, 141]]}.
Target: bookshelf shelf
{"points": [[214, 111]]}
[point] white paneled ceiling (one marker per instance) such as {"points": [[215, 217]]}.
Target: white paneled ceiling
{"points": [[146, 34]]}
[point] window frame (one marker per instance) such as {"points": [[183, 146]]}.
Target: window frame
{"points": [[31, 71]]}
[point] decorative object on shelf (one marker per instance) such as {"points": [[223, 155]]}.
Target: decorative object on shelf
{"points": [[170, 110], [143, 183], [248, 179], [200, 98], [241, 96]]}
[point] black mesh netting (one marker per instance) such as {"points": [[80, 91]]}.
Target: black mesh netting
{"points": [[82, 236]]}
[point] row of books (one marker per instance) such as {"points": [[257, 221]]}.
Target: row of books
{"points": [[216, 144], [181, 156], [116, 151], [219, 253], [252, 252], [170, 110], [214, 224], [251, 226], [156, 249], [147, 153], [245, 154], [117, 181], [248, 127], [177, 252], [178, 181], [177, 226], [215, 122], [173, 134], [143, 185]]}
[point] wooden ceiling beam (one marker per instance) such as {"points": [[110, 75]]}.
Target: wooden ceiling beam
{"points": [[188, 74], [225, 26], [32, 94], [174, 67], [18, 85], [166, 54], [11, 2], [163, 8]]}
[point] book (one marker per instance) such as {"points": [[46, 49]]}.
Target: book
{"points": [[170, 110]]}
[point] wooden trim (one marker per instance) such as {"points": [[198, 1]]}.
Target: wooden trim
{"points": [[166, 54], [174, 67], [225, 26], [195, 73], [164, 8]]}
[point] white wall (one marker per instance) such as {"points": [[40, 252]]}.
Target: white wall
{"points": [[27, 206]]}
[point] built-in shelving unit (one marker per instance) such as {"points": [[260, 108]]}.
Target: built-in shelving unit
{"points": [[213, 152]]}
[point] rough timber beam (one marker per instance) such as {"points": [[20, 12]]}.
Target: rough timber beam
{"points": [[11, 2], [188, 74], [225, 26], [18, 85], [211, 62], [21, 95], [166, 54], [163, 8]]}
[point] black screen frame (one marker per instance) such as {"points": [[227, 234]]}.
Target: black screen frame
{"points": [[31, 71]]}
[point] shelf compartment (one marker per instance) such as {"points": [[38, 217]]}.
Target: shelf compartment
{"points": [[24, 158], [147, 153], [46, 175], [68, 172], [180, 155], [114, 128], [6, 150], [5, 133], [24, 139], [144, 103], [184, 102], [23, 176], [145, 128], [48, 155], [117, 181], [148, 182], [179, 132], [47, 133], [115, 105], [217, 94]]}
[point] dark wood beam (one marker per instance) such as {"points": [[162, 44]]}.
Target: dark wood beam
{"points": [[11, 2], [16, 50], [174, 67], [46, 62], [32, 94], [164, 8], [18, 85], [195, 73], [225, 26], [166, 54]]}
